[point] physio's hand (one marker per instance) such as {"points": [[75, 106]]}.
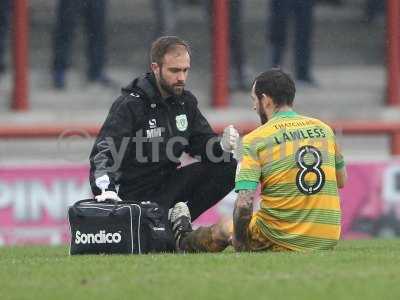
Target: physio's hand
{"points": [[230, 139], [103, 182], [108, 195]]}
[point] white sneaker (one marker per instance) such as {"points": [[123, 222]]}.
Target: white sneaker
{"points": [[180, 219]]}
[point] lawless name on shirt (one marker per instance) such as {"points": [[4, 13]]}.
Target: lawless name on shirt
{"points": [[300, 134]]}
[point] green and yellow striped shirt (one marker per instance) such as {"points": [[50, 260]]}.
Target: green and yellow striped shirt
{"points": [[295, 159]]}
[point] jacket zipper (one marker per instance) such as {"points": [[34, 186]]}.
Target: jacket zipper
{"points": [[166, 113]]}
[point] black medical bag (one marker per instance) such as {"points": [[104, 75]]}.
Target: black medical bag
{"points": [[118, 227]]}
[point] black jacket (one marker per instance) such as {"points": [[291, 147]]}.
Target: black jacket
{"points": [[155, 124]]}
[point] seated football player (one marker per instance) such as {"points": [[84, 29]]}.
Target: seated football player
{"points": [[297, 163]]}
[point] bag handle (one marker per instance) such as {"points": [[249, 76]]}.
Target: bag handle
{"points": [[77, 210], [79, 213], [84, 201], [117, 202]]}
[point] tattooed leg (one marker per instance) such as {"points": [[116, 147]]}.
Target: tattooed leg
{"points": [[209, 239], [242, 214]]}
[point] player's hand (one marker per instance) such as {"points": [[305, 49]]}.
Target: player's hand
{"points": [[108, 195], [230, 139]]}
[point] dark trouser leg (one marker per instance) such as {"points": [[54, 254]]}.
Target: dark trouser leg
{"points": [[279, 10], [5, 11], [304, 26], [236, 39], [373, 7], [202, 185], [165, 17], [95, 22], [67, 12]]}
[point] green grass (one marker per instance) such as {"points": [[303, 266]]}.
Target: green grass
{"points": [[354, 270]]}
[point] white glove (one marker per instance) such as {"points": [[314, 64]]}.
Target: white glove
{"points": [[230, 139], [102, 183], [105, 195]]}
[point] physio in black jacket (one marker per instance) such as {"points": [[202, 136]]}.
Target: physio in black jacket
{"points": [[155, 120]]}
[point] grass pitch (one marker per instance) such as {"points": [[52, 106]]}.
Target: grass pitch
{"points": [[354, 270]]}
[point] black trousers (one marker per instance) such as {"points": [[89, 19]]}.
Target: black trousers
{"points": [[5, 11], [68, 12], [165, 17], [236, 37], [281, 12], [201, 185], [236, 43]]}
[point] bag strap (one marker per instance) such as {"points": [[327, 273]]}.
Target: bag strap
{"points": [[84, 201], [78, 211], [107, 201]]}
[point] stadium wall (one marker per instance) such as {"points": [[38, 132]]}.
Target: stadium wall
{"points": [[34, 202]]}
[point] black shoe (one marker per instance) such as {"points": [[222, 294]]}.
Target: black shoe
{"points": [[104, 81], [306, 83], [59, 80], [181, 223]]}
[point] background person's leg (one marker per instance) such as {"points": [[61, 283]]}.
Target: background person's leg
{"points": [[278, 22], [95, 22], [237, 57], [67, 12], [5, 11], [304, 27], [165, 17]]}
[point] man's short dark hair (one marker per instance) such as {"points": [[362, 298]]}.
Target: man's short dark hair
{"points": [[163, 45], [275, 84]]}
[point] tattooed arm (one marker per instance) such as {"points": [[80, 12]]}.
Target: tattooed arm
{"points": [[241, 218]]}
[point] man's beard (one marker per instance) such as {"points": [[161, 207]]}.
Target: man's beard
{"points": [[263, 116], [171, 89]]}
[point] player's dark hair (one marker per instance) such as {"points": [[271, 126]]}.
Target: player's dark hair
{"points": [[275, 84], [163, 45]]}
